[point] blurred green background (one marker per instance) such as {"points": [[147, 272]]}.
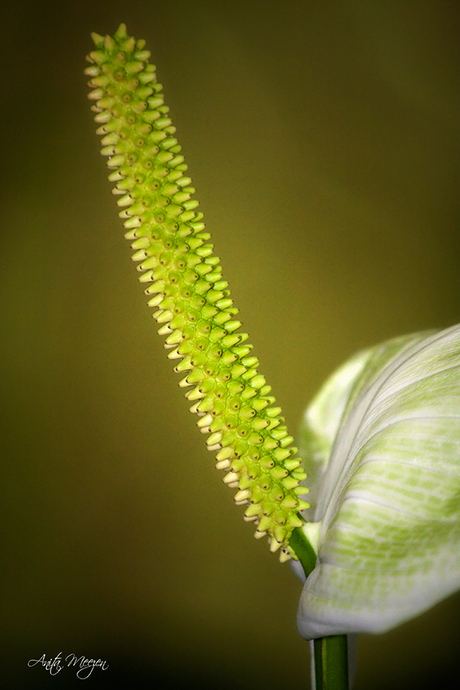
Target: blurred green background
{"points": [[323, 140]]}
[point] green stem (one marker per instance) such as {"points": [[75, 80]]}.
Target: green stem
{"points": [[330, 654], [303, 550], [330, 663]]}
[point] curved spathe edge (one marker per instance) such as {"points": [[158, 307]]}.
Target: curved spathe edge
{"points": [[346, 595]]}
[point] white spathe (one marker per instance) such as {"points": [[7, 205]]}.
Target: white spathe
{"points": [[382, 448]]}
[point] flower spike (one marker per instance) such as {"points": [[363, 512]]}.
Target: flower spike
{"points": [[185, 286]]}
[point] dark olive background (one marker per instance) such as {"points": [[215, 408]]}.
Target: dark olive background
{"points": [[322, 138]]}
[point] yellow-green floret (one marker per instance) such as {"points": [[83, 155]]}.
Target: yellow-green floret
{"points": [[184, 283]]}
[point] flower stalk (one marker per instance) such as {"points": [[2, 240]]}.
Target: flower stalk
{"points": [[193, 307]]}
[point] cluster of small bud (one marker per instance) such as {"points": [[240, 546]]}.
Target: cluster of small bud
{"points": [[184, 283]]}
